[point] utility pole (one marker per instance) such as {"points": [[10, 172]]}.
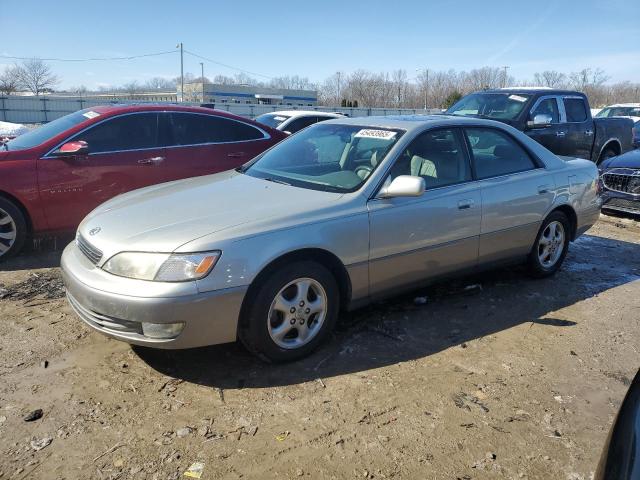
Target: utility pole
{"points": [[426, 89], [181, 71], [202, 78], [504, 76]]}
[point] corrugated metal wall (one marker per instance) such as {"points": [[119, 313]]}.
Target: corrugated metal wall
{"points": [[42, 109]]}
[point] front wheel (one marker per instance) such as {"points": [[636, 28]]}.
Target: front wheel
{"points": [[13, 229], [292, 312], [551, 246]]}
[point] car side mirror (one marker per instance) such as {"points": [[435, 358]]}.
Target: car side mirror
{"points": [[540, 120], [403, 186], [71, 149]]}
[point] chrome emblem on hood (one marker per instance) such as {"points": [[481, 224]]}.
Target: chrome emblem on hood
{"points": [[94, 231]]}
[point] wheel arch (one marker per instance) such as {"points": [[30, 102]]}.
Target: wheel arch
{"points": [[21, 207], [614, 144], [571, 215], [321, 256]]}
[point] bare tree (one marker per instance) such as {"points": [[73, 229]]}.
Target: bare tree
{"points": [[36, 76], [550, 78], [10, 80], [160, 83], [79, 90], [132, 87]]}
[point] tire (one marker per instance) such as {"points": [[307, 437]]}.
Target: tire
{"points": [[278, 325], [13, 229], [545, 263], [606, 154]]}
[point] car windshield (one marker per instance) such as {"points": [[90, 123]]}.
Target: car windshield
{"points": [[327, 157], [501, 106], [49, 130], [619, 112], [271, 119]]}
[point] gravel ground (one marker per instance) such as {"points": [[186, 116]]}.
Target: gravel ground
{"points": [[496, 376]]}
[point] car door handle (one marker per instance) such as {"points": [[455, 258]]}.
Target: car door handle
{"points": [[465, 204], [560, 134], [542, 189], [236, 154], [588, 133], [151, 161]]}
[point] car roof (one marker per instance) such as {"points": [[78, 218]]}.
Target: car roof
{"points": [[119, 108], [532, 91], [411, 122], [304, 113]]}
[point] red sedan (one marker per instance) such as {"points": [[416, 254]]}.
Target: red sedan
{"points": [[53, 176]]}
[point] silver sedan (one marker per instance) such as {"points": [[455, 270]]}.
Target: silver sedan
{"points": [[344, 213]]}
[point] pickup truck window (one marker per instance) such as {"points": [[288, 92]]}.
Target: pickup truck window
{"points": [[499, 106], [547, 106], [576, 110]]}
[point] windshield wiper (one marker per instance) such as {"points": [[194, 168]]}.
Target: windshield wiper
{"points": [[275, 180]]}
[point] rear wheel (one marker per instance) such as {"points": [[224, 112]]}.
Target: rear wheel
{"points": [[292, 312], [13, 229], [551, 246]]}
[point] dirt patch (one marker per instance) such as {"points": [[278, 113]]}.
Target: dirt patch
{"points": [[493, 376]]}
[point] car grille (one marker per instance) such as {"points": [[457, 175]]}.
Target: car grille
{"points": [[92, 253], [625, 180], [623, 204]]}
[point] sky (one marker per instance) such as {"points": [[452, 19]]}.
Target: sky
{"points": [[317, 39]]}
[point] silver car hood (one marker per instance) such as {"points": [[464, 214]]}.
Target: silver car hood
{"points": [[163, 217]]}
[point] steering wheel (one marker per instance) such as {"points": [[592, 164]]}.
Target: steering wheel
{"points": [[363, 171]]}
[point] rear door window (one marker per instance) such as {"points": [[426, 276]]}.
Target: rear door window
{"points": [[197, 129], [576, 110], [135, 131], [495, 153]]}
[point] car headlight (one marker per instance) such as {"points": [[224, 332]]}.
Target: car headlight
{"points": [[162, 267]]}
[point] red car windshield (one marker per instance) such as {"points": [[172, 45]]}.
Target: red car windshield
{"points": [[49, 130]]}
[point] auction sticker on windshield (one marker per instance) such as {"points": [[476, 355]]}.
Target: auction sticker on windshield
{"points": [[517, 98], [370, 133], [91, 114]]}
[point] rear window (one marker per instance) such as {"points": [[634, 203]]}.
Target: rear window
{"points": [[576, 110], [195, 129], [272, 120]]}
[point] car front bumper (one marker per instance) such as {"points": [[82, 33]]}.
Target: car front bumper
{"points": [[621, 202], [209, 318]]}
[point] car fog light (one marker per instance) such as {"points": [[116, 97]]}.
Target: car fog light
{"points": [[162, 330]]}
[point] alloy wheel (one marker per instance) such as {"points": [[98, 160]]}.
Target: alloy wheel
{"points": [[297, 313], [551, 244], [8, 232]]}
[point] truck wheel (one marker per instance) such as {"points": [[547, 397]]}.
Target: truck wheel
{"points": [[13, 229], [551, 246], [606, 154], [292, 311]]}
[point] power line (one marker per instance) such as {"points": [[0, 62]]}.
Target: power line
{"points": [[95, 59], [228, 66]]}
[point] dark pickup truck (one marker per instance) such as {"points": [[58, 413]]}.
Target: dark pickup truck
{"points": [[558, 119]]}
